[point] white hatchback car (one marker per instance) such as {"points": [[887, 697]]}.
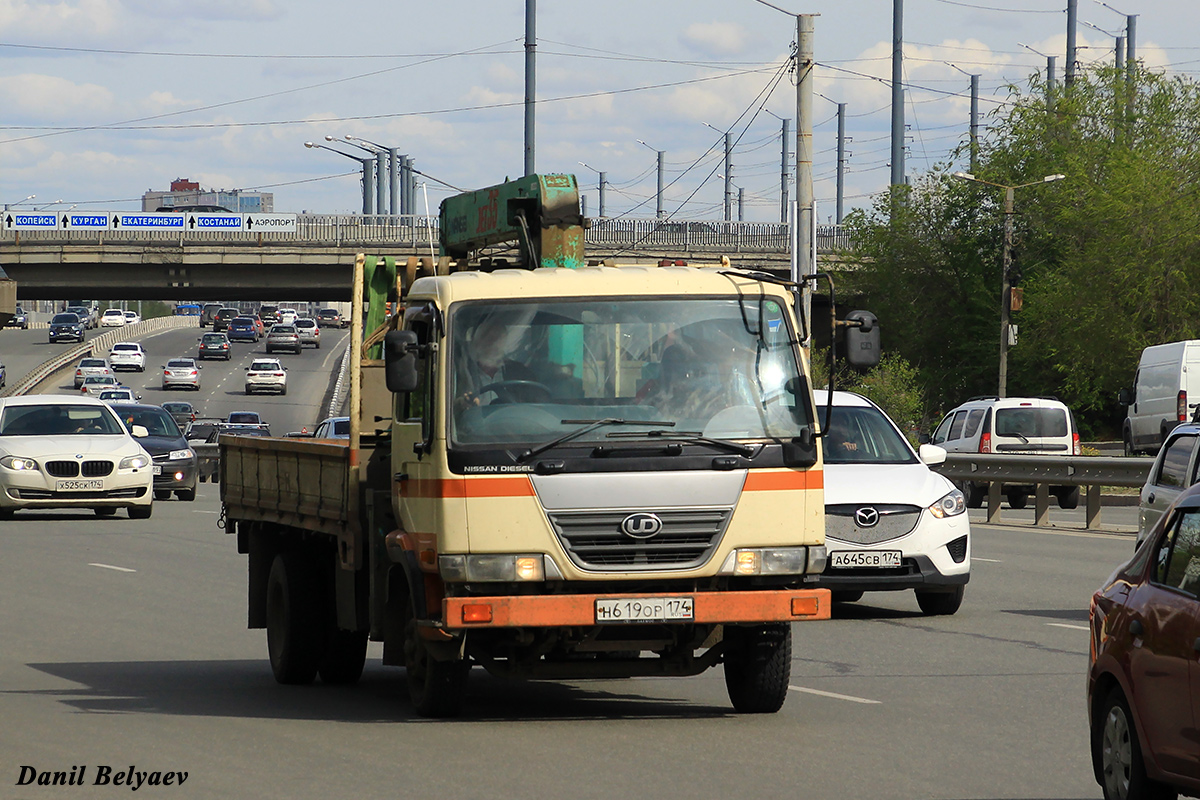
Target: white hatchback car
{"points": [[60, 451], [112, 318], [309, 332], [127, 355], [891, 523], [266, 375], [287, 316]]}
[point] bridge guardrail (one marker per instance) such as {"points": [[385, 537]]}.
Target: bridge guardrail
{"points": [[1092, 472], [101, 342], [416, 231]]}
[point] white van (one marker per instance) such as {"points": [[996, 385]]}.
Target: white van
{"points": [[1014, 425], [1165, 391]]}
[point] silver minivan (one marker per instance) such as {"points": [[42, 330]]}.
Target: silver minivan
{"points": [[1174, 470]]}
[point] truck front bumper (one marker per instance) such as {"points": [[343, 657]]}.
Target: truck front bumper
{"points": [[550, 611]]}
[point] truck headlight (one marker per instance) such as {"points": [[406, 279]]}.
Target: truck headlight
{"points": [[951, 505], [772, 561], [496, 568], [19, 464]]}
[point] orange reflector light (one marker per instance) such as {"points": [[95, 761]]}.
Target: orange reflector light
{"points": [[804, 606], [477, 612]]}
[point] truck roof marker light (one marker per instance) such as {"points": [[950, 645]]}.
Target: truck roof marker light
{"points": [[477, 612]]}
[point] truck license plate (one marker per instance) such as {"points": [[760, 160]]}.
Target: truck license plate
{"points": [[847, 559], [644, 609], [80, 485]]}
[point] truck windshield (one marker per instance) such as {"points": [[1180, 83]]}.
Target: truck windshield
{"points": [[525, 373]]}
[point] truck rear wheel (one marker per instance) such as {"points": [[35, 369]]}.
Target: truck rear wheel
{"points": [[436, 688], [345, 657], [758, 666], [296, 635]]}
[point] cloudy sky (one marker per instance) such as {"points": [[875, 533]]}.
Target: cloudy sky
{"points": [[102, 100]]}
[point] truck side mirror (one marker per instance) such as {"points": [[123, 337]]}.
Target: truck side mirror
{"points": [[862, 339], [400, 361], [1125, 397]]}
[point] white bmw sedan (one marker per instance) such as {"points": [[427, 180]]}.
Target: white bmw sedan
{"points": [[891, 523], [70, 451]]}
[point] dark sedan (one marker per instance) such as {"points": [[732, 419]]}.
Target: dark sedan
{"points": [[242, 329], [1144, 680], [66, 327], [176, 468], [214, 345]]}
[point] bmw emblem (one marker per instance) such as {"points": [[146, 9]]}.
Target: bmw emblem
{"points": [[866, 517], [641, 525]]}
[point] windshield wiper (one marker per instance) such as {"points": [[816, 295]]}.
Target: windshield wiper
{"points": [[589, 425], [691, 437]]}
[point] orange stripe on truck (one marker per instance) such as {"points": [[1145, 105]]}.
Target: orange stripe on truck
{"points": [[543, 611], [507, 486], [763, 481]]}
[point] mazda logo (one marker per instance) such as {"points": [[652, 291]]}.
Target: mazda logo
{"points": [[866, 517], [641, 526]]}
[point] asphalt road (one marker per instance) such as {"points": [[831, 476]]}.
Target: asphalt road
{"points": [[222, 382], [125, 644]]}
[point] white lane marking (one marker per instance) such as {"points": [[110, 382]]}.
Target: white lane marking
{"points": [[988, 560], [1065, 625], [835, 695], [206, 512], [110, 566]]}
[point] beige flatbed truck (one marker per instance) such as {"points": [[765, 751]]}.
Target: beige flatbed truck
{"points": [[553, 473]]}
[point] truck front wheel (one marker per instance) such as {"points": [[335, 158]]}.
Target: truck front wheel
{"points": [[436, 688], [758, 666], [296, 637]]}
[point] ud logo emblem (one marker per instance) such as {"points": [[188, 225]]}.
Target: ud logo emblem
{"points": [[866, 517], [641, 526]]}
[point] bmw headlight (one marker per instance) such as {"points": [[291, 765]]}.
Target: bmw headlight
{"points": [[951, 505], [135, 462], [176, 455], [19, 464]]}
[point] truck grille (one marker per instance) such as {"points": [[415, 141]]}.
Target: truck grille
{"points": [[894, 521], [594, 540]]}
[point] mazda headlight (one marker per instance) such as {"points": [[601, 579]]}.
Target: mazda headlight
{"points": [[19, 464], [134, 462], [951, 505], [176, 455]]}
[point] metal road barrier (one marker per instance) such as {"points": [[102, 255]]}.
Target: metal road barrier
{"points": [[1093, 472], [418, 231], [99, 343]]}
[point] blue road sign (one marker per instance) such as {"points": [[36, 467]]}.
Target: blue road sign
{"points": [[30, 220], [84, 221], [148, 222], [208, 221]]}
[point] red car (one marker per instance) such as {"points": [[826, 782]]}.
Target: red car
{"points": [[1144, 680]]}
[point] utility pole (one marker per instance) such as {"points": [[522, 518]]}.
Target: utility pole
{"points": [[728, 173], [804, 150], [897, 92], [1050, 78], [974, 122], [783, 176], [530, 80], [603, 180], [1130, 40], [380, 187], [1072, 20], [659, 211], [841, 159], [741, 204]]}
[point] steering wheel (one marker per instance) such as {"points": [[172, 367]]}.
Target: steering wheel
{"points": [[509, 391]]}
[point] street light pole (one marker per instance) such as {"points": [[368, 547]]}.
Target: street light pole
{"points": [[603, 180], [659, 212], [1006, 266], [367, 173]]}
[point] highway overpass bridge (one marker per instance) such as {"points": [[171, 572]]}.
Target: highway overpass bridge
{"points": [[314, 261]]}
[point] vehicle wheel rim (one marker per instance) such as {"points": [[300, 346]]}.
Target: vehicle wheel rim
{"points": [[1116, 752]]}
